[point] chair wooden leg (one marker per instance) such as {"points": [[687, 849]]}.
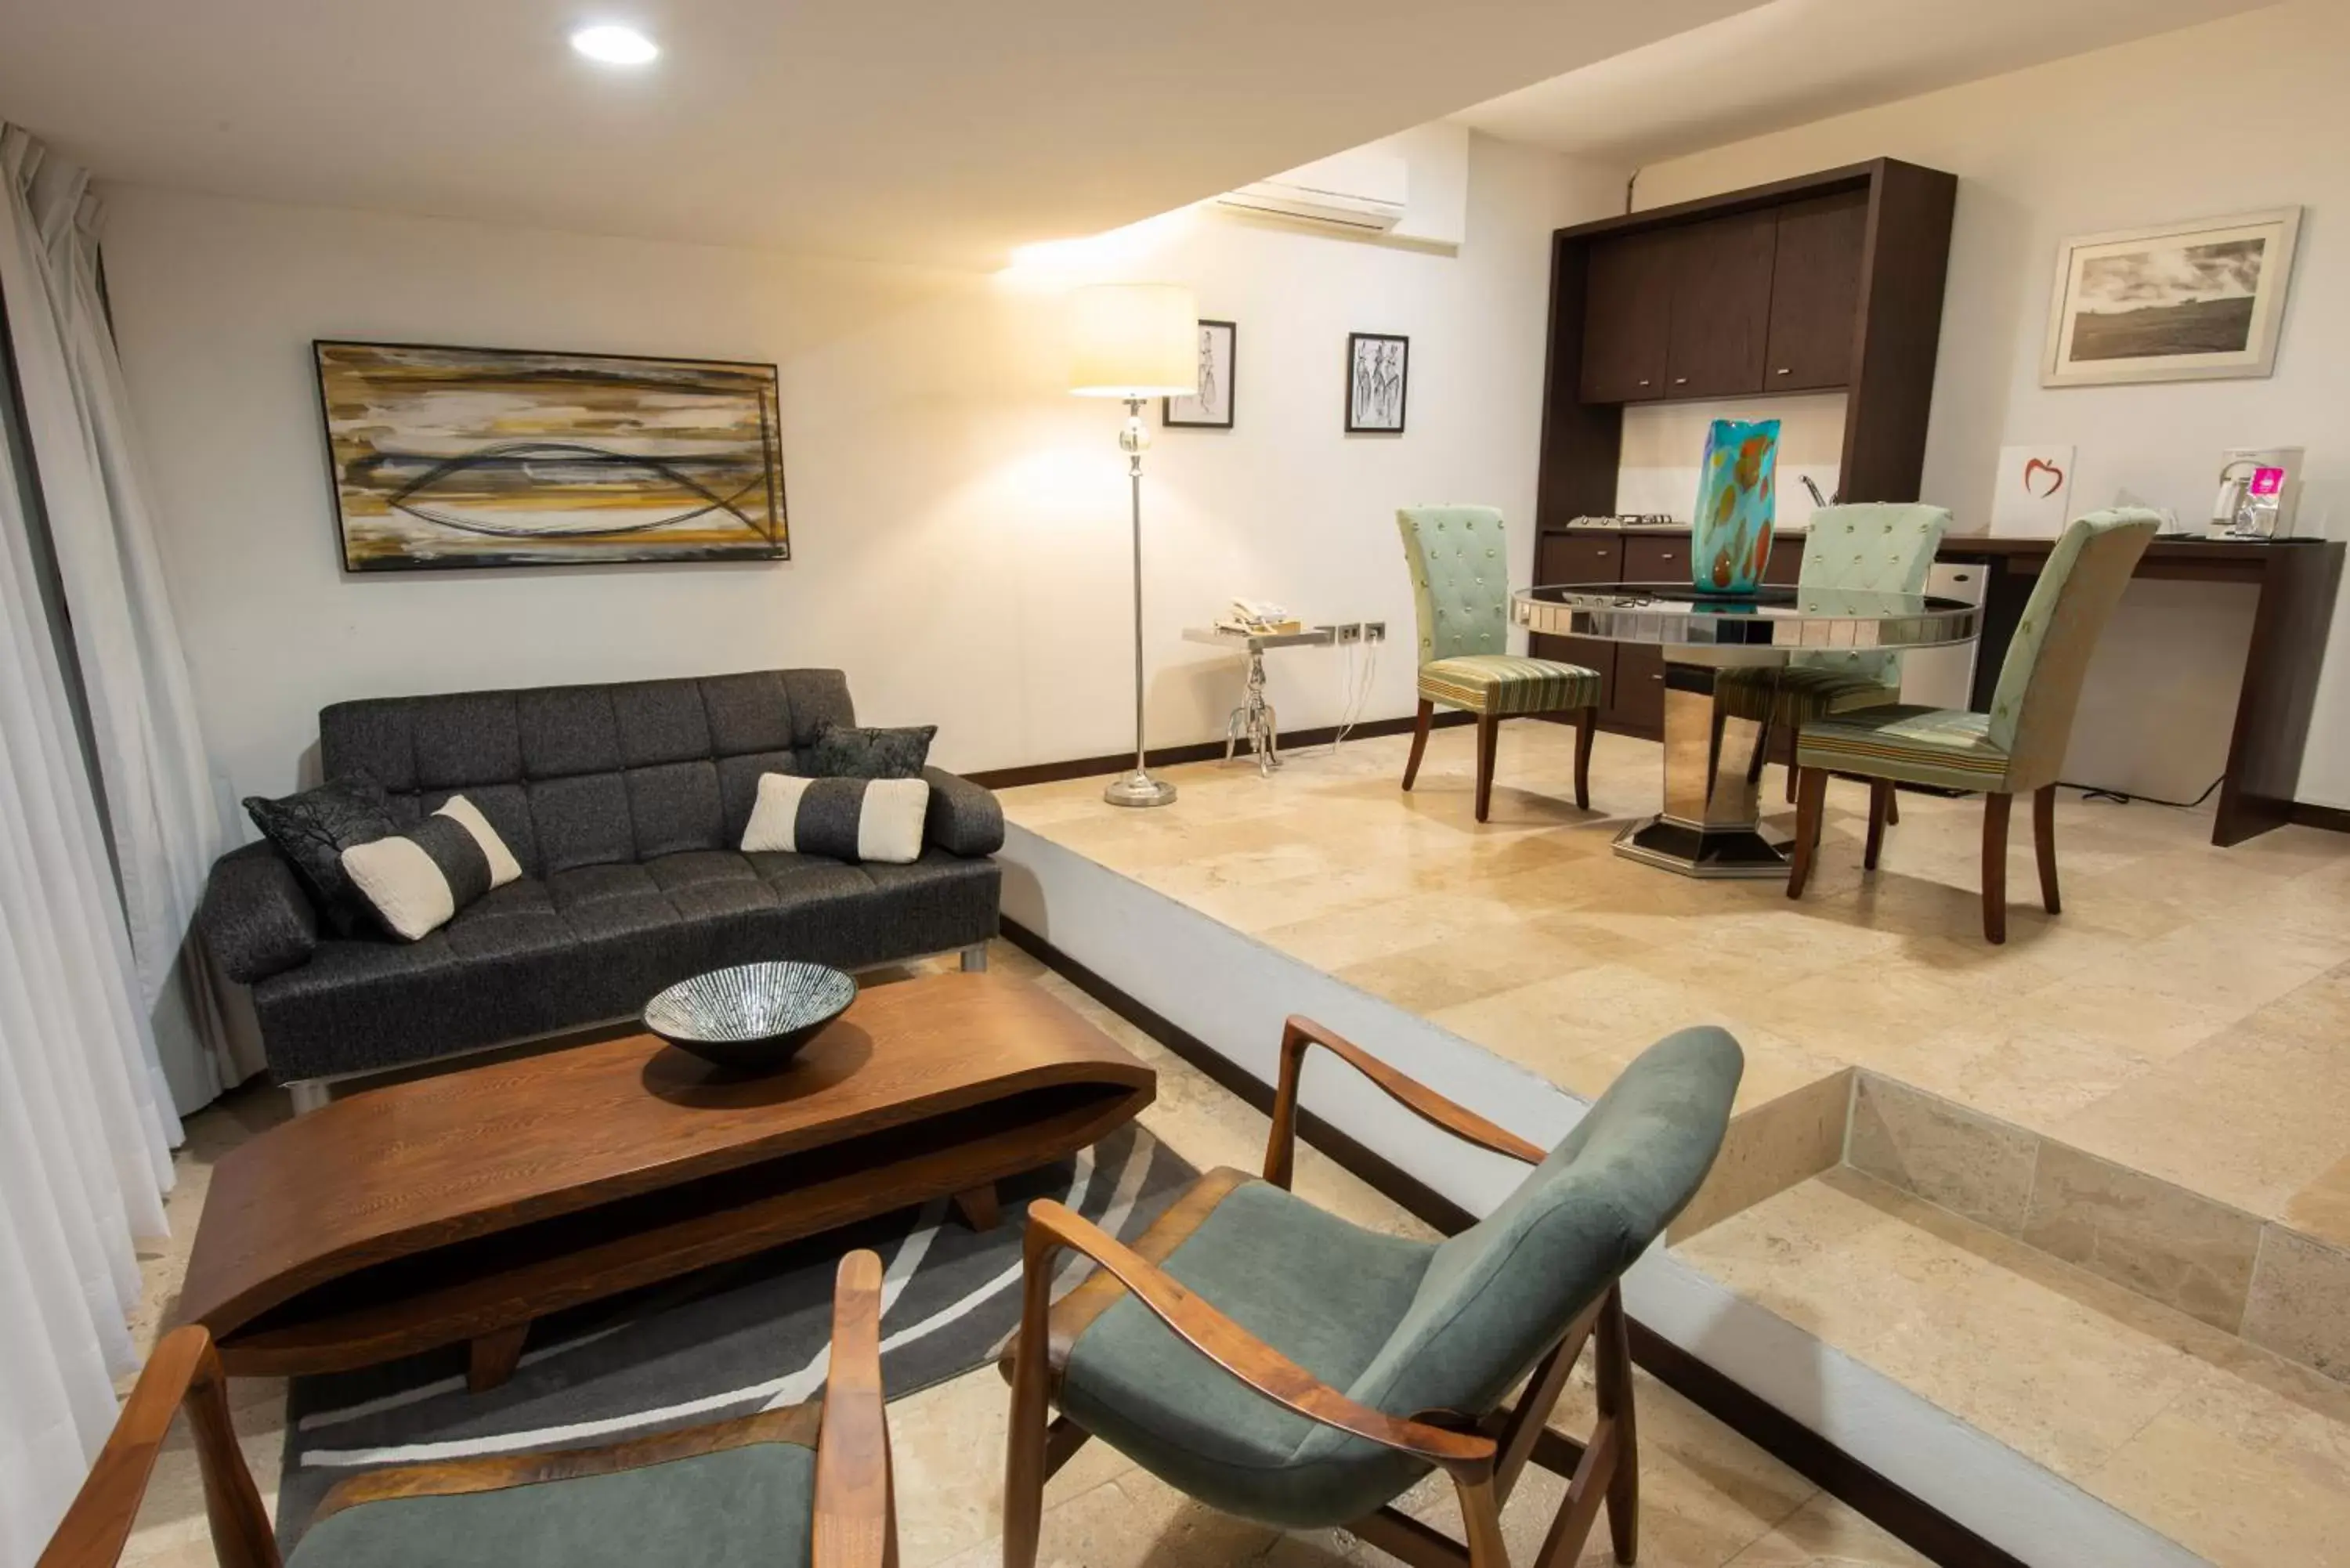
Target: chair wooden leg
{"points": [[1881, 801], [1612, 1376], [1586, 724], [1481, 1520], [1893, 808], [1488, 728], [1025, 1462], [2043, 840], [1994, 867], [1812, 802], [1419, 742], [1791, 771]]}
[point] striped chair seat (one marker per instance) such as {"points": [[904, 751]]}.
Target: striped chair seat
{"points": [[1804, 692], [1500, 685], [1945, 746]]}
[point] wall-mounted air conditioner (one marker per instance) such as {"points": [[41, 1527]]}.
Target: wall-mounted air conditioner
{"points": [[1359, 191]]}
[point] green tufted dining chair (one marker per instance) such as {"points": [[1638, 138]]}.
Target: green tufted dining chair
{"points": [[1460, 594], [1881, 547], [2017, 747], [1276, 1362]]}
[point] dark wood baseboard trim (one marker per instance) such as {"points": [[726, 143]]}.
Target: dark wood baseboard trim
{"points": [[1199, 752], [2332, 818], [1892, 1507]]}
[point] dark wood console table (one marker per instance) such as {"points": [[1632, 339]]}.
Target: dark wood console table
{"points": [[2297, 579]]}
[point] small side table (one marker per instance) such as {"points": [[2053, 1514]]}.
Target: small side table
{"points": [[1253, 720]]}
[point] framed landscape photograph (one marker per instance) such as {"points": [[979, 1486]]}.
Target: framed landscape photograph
{"points": [[495, 457], [1211, 410], [1378, 365], [2180, 302]]}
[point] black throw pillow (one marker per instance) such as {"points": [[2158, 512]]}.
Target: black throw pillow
{"points": [[846, 752], [313, 829]]}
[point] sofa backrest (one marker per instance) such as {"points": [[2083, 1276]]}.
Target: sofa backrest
{"points": [[591, 775]]}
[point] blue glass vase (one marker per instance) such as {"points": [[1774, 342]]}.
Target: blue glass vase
{"points": [[1730, 533]]}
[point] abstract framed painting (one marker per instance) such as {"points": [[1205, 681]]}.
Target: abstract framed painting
{"points": [[1211, 407], [2179, 302], [444, 457], [1378, 366]]}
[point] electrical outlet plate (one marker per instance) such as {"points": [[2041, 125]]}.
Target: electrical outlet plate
{"points": [[1375, 631], [1351, 632]]}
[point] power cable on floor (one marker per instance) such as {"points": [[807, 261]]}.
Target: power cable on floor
{"points": [[2121, 797]]}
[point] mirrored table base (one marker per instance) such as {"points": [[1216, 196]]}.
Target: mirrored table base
{"points": [[1712, 822]]}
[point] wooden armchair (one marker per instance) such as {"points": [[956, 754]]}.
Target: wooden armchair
{"points": [[807, 1487], [1323, 1331]]}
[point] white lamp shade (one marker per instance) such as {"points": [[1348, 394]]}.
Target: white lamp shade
{"points": [[1135, 340]]}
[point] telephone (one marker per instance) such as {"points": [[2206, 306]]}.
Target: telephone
{"points": [[1257, 616]]}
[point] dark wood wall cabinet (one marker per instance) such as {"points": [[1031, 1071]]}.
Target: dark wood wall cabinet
{"points": [[1832, 281]]}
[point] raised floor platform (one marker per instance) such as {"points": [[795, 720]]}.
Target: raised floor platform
{"points": [[2135, 1108]]}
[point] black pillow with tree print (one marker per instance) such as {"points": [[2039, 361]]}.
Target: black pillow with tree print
{"points": [[313, 829]]}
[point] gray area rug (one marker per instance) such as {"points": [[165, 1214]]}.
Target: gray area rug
{"points": [[728, 1342]]}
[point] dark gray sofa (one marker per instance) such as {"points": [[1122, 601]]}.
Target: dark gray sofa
{"points": [[623, 804]]}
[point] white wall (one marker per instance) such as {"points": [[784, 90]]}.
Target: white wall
{"points": [[2244, 113], [958, 521]]}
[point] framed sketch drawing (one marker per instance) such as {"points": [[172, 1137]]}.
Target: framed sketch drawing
{"points": [[2180, 302], [1211, 410], [493, 457], [1377, 366]]}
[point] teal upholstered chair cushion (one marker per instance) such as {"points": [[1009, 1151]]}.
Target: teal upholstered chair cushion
{"points": [[1397, 1324], [748, 1507], [2020, 744], [1459, 562], [1326, 1293], [1875, 547]]}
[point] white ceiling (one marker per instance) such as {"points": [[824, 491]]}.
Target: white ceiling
{"points": [[1792, 61], [935, 130]]}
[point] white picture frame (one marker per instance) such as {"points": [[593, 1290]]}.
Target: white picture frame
{"points": [[2201, 300]]}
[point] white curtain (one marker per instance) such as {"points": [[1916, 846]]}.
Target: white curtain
{"points": [[162, 806], [85, 1124]]}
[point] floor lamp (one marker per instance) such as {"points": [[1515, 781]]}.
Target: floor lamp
{"points": [[1136, 340]]}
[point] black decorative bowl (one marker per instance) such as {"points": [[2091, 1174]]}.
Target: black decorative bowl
{"points": [[754, 1018]]}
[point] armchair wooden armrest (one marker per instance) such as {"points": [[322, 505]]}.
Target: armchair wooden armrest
{"points": [[856, 1513], [1298, 1034], [1256, 1364], [185, 1370]]}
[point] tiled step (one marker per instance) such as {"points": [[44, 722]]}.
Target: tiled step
{"points": [[2234, 1453]]}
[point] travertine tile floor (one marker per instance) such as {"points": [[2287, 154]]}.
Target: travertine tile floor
{"points": [[2236, 1454], [1708, 1498], [2184, 1017], [2181, 1018]]}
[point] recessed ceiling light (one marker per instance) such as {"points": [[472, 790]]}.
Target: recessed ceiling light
{"points": [[616, 45]]}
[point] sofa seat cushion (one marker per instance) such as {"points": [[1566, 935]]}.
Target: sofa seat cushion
{"points": [[594, 943]]}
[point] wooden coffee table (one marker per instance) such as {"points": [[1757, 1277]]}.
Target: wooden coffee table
{"points": [[459, 1208]]}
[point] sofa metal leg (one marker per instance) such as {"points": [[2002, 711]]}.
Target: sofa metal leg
{"points": [[974, 958], [309, 1095]]}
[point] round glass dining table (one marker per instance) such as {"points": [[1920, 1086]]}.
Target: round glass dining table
{"points": [[1712, 823]]}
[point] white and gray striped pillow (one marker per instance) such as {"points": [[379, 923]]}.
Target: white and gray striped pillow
{"points": [[847, 819], [416, 881]]}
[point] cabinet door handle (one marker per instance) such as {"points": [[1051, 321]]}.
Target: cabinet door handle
{"points": [[1644, 381], [1680, 381], [1782, 371]]}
